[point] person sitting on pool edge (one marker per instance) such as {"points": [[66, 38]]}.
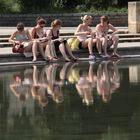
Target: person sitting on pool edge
{"points": [[38, 34], [59, 44], [22, 41], [107, 40], [83, 31]]}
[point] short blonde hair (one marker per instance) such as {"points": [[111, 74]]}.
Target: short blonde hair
{"points": [[56, 22], [86, 17]]}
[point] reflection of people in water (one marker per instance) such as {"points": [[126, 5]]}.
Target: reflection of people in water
{"points": [[114, 76], [107, 80], [54, 87], [85, 86], [38, 90], [67, 70], [21, 85]]}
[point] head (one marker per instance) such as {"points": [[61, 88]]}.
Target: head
{"points": [[58, 97], [57, 23], [41, 22], [43, 101], [20, 26], [87, 19], [104, 19], [18, 78]]}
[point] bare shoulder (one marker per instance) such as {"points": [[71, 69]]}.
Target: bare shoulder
{"points": [[98, 25], [80, 25], [32, 29], [110, 25], [14, 33], [48, 32], [26, 30]]}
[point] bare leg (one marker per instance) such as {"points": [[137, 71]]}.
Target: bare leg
{"points": [[104, 45], [63, 51], [69, 51], [115, 39], [41, 49], [50, 51], [89, 43], [34, 50], [98, 45]]}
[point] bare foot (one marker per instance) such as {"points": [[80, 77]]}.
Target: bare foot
{"points": [[34, 59]]}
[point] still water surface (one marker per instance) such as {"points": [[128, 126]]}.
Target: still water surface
{"points": [[70, 101]]}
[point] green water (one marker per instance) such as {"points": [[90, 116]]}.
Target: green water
{"points": [[69, 101]]}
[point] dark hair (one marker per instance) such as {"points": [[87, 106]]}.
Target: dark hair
{"points": [[20, 26], [105, 19], [56, 22], [40, 20]]}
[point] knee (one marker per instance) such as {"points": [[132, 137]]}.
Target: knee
{"points": [[90, 41], [35, 42], [104, 40]]}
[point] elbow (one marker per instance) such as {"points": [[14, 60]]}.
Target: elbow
{"points": [[10, 40]]}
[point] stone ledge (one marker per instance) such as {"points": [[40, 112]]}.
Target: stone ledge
{"points": [[66, 18]]}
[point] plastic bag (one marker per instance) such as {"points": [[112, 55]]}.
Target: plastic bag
{"points": [[73, 43]]}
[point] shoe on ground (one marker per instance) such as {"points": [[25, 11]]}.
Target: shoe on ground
{"points": [[91, 56]]}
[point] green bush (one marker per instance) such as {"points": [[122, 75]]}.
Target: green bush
{"points": [[59, 6], [108, 10], [9, 6]]}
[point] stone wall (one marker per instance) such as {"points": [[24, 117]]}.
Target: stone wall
{"points": [[68, 19]]}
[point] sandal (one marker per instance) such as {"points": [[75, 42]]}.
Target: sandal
{"points": [[53, 58], [67, 59], [46, 58], [115, 56]]}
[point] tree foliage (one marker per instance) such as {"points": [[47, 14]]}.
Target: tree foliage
{"points": [[44, 6]]}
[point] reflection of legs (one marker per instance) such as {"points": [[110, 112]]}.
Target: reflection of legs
{"points": [[35, 75], [63, 51], [91, 76], [51, 73], [116, 72], [65, 70]]}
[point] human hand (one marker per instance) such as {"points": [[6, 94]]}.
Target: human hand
{"points": [[87, 33], [61, 39], [17, 42]]}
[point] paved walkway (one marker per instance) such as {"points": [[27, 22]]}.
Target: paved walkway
{"points": [[9, 30]]}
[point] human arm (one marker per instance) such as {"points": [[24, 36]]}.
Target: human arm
{"points": [[12, 38], [32, 33], [29, 35], [112, 28]]}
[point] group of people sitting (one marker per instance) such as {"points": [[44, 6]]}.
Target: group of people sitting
{"points": [[48, 42]]}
